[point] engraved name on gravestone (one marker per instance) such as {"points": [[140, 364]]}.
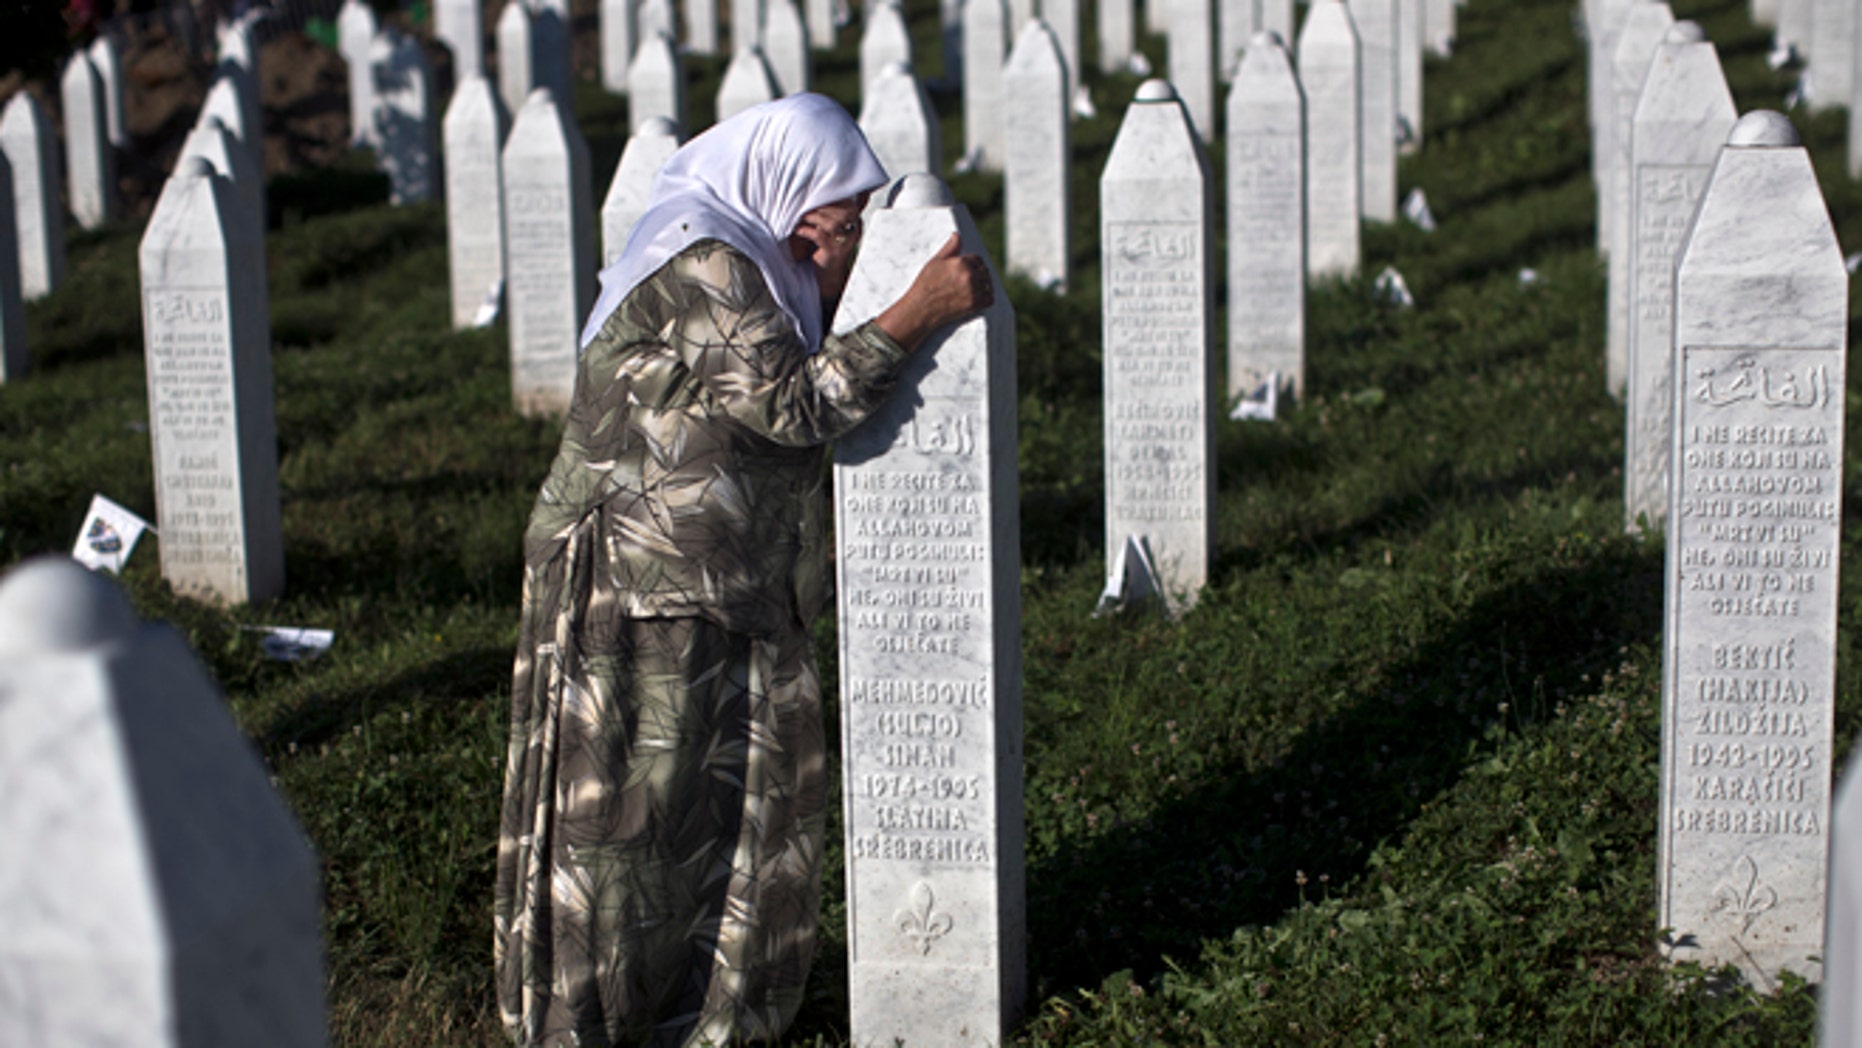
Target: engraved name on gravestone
{"points": [[473, 131], [1192, 62], [747, 82], [13, 356], [617, 43], [1681, 122], [1266, 170], [1328, 68], [549, 250], [460, 25], [355, 32], [646, 152], [985, 46], [926, 529], [157, 891], [207, 346], [90, 160], [1158, 308], [1751, 580], [1642, 33], [785, 46], [899, 123], [38, 215], [1376, 24], [517, 75], [1035, 155], [656, 84], [405, 146], [884, 41]]}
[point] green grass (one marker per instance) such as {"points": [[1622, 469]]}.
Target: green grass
{"points": [[1393, 781]]}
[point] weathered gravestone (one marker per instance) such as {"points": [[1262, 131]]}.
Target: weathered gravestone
{"points": [[1192, 62], [1833, 53], [517, 74], [1328, 69], [212, 142], [460, 25], [1409, 43], [108, 60], [884, 41], [985, 45], [1035, 156], [747, 82], [647, 151], [701, 27], [156, 890], [474, 130], [785, 45], [617, 43], [1681, 122], [549, 251], [656, 84], [207, 346], [1158, 310], [1266, 198], [1643, 30], [899, 123], [355, 32], [926, 529], [404, 137], [1840, 1001], [1751, 583], [13, 356], [38, 216], [1376, 25], [90, 160]]}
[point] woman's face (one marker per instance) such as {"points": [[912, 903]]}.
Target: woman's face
{"points": [[829, 236]]}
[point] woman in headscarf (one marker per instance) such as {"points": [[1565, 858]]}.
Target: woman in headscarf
{"points": [[659, 855]]}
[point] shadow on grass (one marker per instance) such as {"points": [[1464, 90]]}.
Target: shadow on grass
{"points": [[327, 716], [1233, 852]]}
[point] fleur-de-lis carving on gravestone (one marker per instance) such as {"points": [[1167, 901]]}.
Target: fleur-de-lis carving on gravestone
{"points": [[1744, 899], [922, 922]]}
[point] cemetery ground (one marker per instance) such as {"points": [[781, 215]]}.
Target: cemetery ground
{"points": [[1394, 779]]}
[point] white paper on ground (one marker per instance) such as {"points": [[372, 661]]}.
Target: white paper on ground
{"points": [[1391, 288], [1133, 578], [292, 643], [488, 309], [1261, 403], [1416, 209], [107, 536], [1083, 103]]}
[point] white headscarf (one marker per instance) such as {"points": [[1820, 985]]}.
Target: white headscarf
{"points": [[747, 182]]}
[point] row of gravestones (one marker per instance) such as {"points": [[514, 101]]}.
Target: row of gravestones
{"points": [[1727, 340]]}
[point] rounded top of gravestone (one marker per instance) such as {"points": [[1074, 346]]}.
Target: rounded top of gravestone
{"points": [[1266, 38], [55, 604], [1685, 33], [539, 96], [1155, 90], [194, 167], [1763, 129], [922, 190]]}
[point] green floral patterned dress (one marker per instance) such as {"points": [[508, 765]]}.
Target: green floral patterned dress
{"points": [[659, 858]]}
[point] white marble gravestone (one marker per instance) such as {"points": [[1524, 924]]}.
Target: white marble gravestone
{"points": [[746, 25], [1328, 68], [212, 142], [230, 99], [109, 62], [13, 357], [656, 84], [1840, 1023], [355, 32], [1409, 72], [405, 143], [1035, 158], [1376, 23], [1796, 21], [1158, 309], [785, 46], [885, 40], [1604, 23], [460, 25], [653, 18], [1063, 20], [549, 251], [1748, 681], [1765, 12], [647, 151], [517, 74], [823, 27], [1235, 23], [1643, 29], [473, 132], [747, 82], [38, 214], [1438, 20], [899, 123], [90, 160], [156, 890], [1192, 61], [985, 46], [1116, 21], [207, 344], [1833, 53], [1681, 121], [1266, 201], [701, 27], [928, 562], [617, 43]]}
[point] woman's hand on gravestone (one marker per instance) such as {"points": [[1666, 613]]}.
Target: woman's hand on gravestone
{"points": [[951, 287]]}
